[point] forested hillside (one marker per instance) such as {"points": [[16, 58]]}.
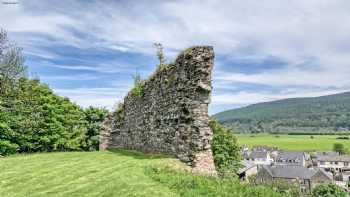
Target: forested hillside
{"points": [[33, 118], [319, 114]]}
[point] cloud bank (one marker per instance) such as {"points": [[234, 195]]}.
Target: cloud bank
{"points": [[309, 40]]}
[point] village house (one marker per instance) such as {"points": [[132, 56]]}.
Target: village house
{"points": [[326, 153], [305, 178], [334, 163], [258, 157], [292, 158]]}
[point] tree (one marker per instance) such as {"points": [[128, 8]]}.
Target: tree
{"points": [[339, 148], [225, 150], [33, 118], [160, 53], [11, 63], [328, 190], [94, 117]]}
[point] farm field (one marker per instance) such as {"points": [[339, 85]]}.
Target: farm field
{"points": [[111, 174], [293, 142]]}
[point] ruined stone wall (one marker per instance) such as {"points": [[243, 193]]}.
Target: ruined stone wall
{"points": [[171, 115]]}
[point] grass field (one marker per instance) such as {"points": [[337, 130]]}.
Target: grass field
{"points": [[293, 142], [110, 174], [78, 174]]}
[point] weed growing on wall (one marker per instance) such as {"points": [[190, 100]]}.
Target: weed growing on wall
{"points": [[138, 89]]}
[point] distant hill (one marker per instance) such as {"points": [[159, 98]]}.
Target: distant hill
{"points": [[313, 114]]}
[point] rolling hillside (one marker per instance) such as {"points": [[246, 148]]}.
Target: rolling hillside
{"points": [[315, 114]]}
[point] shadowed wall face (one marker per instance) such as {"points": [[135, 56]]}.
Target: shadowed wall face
{"points": [[171, 115]]}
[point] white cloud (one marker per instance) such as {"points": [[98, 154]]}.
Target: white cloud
{"points": [[101, 97], [246, 98], [101, 68], [312, 37], [291, 30], [292, 76], [78, 77]]}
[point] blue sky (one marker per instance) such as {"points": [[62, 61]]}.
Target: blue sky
{"points": [[265, 50]]}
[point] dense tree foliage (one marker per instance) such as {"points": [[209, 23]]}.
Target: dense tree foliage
{"points": [[33, 118], [225, 149], [321, 114], [339, 148], [328, 190], [94, 117]]}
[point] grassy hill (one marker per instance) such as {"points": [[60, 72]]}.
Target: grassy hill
{"points": [[315, 114], [110, 173]]}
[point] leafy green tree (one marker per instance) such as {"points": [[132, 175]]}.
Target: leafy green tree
{"points": [[33, 118], [339, 148], [11, 63], [94, 117], [225, 149], [328, 190]]}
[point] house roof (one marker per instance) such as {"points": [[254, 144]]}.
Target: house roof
{"points": [[279, 171], [264, 148], [246, 165], [290, 155], [328, 174], [327, 153], [344, 158], [256, 155]]}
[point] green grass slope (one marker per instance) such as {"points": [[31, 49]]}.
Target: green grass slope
{"points": [[79, 174], [326, 113], [110, 173]]}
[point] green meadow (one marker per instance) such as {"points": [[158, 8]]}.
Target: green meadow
{"points": [[111, 174], [293, 142]]}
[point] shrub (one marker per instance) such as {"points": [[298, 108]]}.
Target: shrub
{"points": [[286, 188], [328, 190], [7, 148], [225, 150], [189, 185]]}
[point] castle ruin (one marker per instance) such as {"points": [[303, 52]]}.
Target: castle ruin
{"points": [[171, 114]]}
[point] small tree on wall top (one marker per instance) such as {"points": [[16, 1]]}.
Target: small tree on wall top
{"points": [[160, 53]]}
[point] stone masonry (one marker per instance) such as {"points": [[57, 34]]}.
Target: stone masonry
{"points": [[171, 115]]}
